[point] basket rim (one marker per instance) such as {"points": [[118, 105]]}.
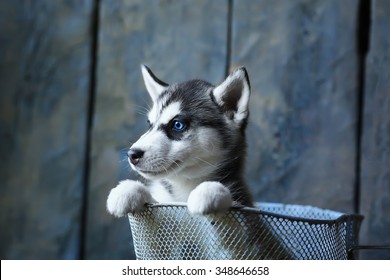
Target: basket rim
{"points": [[342, 218]]}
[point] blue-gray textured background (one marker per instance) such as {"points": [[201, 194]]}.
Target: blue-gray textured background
{"points": [[72, 100]]}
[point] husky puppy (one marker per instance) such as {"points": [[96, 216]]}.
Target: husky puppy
{"points": [[194, 149]]}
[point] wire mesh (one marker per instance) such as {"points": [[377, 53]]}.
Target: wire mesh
{"points": [[270, 231]]}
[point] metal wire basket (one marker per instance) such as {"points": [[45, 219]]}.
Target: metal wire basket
{"points": [[271, 231]]}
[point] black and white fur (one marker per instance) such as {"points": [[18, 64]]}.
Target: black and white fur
{"points": [[194, 150]]}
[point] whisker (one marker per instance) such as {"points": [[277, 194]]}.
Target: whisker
{"points": [[205, 161], [142, 110], [124, 150]]}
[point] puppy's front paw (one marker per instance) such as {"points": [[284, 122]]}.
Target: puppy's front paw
{"points": [[209, 197], [127, 197]]}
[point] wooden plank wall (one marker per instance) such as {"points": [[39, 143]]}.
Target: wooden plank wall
{"points": [[44, 92], [375, 152], [72, 100]]}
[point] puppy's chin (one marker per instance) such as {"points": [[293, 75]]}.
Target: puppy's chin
{"points": [[152, 176]]}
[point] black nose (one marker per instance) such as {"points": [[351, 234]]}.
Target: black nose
{"points": [[135, 155]]}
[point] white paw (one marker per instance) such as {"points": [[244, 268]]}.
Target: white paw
{"points": [[209, 197], [127, 197]]}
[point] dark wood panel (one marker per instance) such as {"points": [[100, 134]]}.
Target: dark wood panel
{"points": [[44, 83], [375, 175], [301, 58]]}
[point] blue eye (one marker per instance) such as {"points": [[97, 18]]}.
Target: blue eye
{"points": [[178, 125]]}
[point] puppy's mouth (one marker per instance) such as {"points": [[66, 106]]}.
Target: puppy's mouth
{"points": [[160, 171]]}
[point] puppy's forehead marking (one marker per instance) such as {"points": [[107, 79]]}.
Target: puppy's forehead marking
{"points": [[164, 114], [169, 112]]}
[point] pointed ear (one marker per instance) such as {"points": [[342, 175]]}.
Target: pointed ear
{"points": [[233, 95], [153, 84]]}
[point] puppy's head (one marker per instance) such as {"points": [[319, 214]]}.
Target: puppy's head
{"points": [[193, 126]]}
